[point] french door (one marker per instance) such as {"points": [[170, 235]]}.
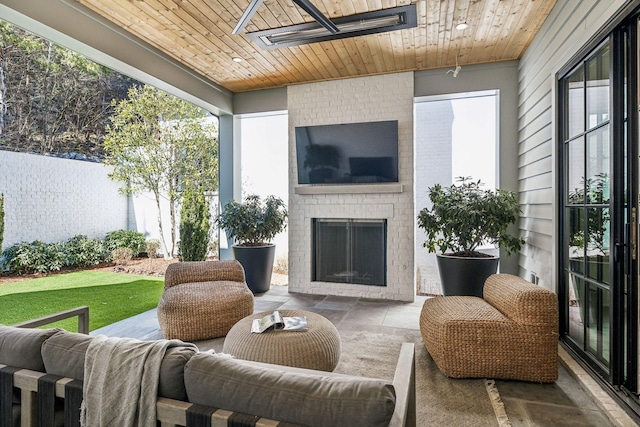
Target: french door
{"points": [[598, 208]]}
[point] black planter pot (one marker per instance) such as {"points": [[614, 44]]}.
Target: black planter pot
{"points": [[465, 276], [257, 262]]}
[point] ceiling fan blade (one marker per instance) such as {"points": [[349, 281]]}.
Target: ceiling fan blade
{"points": [[246, 16], [308, 7]]}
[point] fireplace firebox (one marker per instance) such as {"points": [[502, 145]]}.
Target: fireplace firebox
{"points": [[350, 251]]}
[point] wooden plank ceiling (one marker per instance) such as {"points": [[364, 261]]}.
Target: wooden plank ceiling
{"points": [[198, 34]]}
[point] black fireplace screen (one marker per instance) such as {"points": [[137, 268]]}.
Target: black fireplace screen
{"points": [[350, 251]]}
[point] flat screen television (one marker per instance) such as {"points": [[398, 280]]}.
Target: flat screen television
{"points": [[350, 153]]}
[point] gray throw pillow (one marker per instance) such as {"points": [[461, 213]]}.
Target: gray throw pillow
{"points": [[172, 372], [20, 347], [307, 399], [64, 355]]}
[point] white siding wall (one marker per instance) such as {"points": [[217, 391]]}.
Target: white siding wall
{"points": [[568, 28]]}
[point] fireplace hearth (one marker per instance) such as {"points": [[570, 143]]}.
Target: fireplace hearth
{"points": [[350, 251]]}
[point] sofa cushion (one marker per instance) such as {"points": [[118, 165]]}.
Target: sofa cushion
{"points": [[20, 347], [221, 382], [64, 355]]}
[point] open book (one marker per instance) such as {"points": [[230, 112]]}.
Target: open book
{"points": [[276, 322]]}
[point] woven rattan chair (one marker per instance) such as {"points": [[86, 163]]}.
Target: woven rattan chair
{"points": [[510, 334], [203, 299]]}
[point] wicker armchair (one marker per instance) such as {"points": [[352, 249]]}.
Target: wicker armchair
{"points": [[510, 334], [203, 299]]}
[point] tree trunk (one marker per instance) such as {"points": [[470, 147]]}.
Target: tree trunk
{"points": [[164, 243]]}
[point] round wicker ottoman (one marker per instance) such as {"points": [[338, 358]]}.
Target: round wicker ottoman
{"points": [[317, 348]]}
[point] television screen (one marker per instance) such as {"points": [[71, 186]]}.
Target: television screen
{"points": [[351, 153]]}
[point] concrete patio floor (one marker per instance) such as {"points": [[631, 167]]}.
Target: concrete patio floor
{"points": [[574, 400]]}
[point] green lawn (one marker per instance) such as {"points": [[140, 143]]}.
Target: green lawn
{"points": [[110, 296]]}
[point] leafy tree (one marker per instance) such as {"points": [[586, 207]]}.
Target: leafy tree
{"points": [[53, 100], [157, 142], [195, 222]]}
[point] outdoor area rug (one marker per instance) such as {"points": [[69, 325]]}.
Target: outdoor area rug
{"points": [[440, 401]]}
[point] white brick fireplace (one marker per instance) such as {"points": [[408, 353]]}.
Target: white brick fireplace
{"points": [[366, 99]]}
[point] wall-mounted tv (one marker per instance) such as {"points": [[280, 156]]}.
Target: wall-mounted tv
{"points": [[350, 153]]}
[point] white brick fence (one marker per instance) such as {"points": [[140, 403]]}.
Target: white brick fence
{"points": [[52, 199]]}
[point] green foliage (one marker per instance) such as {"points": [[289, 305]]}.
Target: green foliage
{"points": [[126, 239], [195, 222], [1, 219], [157, 142], [253, 223], [84, 252], [465, 216], [35, 257], [40, 257], [54, 100]]}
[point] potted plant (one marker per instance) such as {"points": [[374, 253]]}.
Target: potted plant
{"points": [[461, 219], [321, 160], [252, 224]]}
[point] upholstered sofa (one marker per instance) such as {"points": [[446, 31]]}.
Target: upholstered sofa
{"points": [[42, 373], [510, 333]]}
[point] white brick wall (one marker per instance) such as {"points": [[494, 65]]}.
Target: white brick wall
{"points": [[433, 157], [377, 98], [52, 199]]}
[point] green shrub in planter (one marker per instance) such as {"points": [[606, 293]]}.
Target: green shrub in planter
{"points": [[465, 216], [462, 218], [126, 239], [252, 222]]}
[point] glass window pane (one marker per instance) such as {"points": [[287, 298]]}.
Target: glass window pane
{"points": [[576, 308], [575, 171], [598, 226], [598, 88], [606, 323], [575, 228], [592, 317], [574, 97], [598, 160]]}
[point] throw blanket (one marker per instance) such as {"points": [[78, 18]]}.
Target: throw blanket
{"points": [[121, 381]]}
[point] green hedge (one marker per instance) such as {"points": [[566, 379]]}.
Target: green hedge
{"points": [[78, 251]]}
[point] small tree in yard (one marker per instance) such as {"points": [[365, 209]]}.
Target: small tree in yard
{"points": [[157, 142], [195, 222]]}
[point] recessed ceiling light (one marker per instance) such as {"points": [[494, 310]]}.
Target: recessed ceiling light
{"points": [[462, 26], [237, 59]]}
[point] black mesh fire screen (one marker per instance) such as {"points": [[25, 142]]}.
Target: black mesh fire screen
{"points": [[350, 251]]}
